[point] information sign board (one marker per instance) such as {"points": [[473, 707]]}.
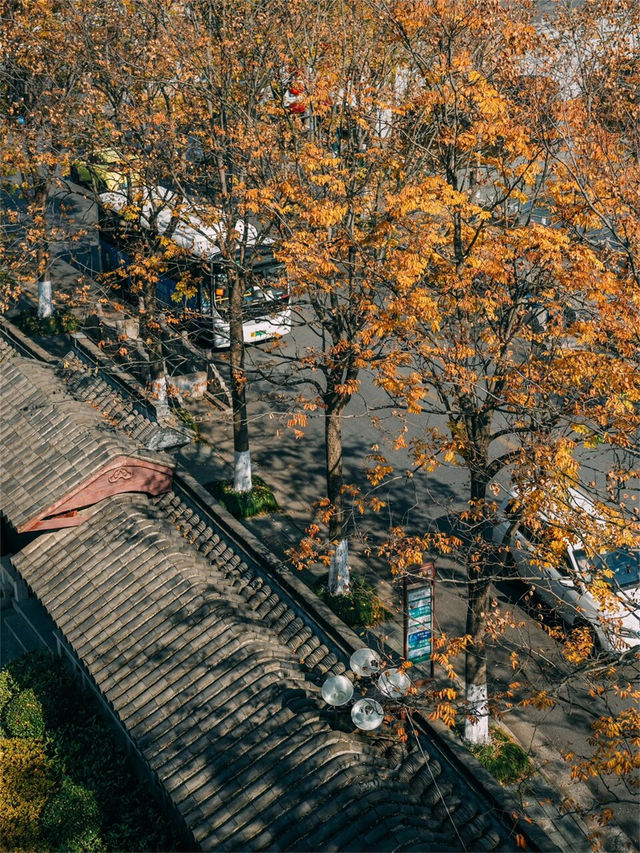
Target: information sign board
{"points": [[418, 615]]}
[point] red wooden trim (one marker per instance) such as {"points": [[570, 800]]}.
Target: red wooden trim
{"points": [[57, 522], [123, 474]]}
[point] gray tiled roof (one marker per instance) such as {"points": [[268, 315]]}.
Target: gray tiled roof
{"points": [[7, 352], [222, 709], [85, 385], [49, 443]]}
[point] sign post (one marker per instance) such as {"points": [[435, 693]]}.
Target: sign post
{"points": [[418, 609]]}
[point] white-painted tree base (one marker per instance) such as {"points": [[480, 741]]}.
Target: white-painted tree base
{"points": [[339, 575], [160, 396], [45, 298], [242, 481], [476, 730]]}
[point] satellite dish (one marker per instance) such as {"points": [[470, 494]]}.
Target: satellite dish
{"points": [[393, 683], [367, 714], [337, 690], [365, 662]]}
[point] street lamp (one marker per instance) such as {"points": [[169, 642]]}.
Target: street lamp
{"points": [[337, 690], [367, 714], [394, 683]]}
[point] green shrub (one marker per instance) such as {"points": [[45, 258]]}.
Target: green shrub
{"points": [[188, 420], [52, 684], [7, 689], [359, 608], [258, 501], [68, 322], [70, 820], [94, 799], [32, 668], [26, 781], [59, 322], [505, 759], [24, 715]]}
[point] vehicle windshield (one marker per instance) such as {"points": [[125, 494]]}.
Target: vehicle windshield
{"points": [[582, 562], [266, 293], [625, 565]]}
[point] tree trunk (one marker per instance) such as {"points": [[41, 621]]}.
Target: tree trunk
{"points": [[45, 296], [478, 580], [242, 480], [339, 567], [153, 345], [476, 729], [45, 293]]}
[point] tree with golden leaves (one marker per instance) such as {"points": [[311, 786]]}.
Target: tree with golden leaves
{"points": [[504, 324], [339, 225], [130, 145], [231, 107], [40, 105]]}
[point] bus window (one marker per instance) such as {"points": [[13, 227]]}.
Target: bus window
{"points": [[263, 294], [220, 293]]}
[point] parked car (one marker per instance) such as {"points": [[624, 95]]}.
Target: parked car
{"points": [[564, 586]]}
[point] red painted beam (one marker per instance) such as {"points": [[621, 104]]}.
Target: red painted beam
{"points": [[124, 474]]}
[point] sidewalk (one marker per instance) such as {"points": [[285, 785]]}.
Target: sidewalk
{"points": [[211, 459]]}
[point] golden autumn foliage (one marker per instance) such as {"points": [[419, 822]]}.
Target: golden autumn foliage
{"points": [[40, 113], [454, 193], [26, 781]]}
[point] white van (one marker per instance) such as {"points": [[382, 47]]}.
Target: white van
{"points": [[564, 586]]}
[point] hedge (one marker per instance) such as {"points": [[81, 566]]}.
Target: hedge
{"points": [[65, 783], [27, 780]]}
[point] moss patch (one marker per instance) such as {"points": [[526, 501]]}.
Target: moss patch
{"points": [[359, 608], [259, 501], [188, 420], [505, 759]]}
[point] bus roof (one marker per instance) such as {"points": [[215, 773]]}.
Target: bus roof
{"points": [[190, 232]]}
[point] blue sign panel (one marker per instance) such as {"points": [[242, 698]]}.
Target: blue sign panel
{"points": [[419, 639], [419, 623]]}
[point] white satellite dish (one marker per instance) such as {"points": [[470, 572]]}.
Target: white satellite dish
{"points": [[337, 690], [365, 662], [367, 714], [393, 683]]}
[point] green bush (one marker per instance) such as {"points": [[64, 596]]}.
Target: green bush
{"points": [[7, 689], [58, 323], [53, 686], [32, 668], [359, 608], [258, 501], [188, 420], [71, 819], [26, 781], [93, 798], [505, 759], [24, 715]]}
